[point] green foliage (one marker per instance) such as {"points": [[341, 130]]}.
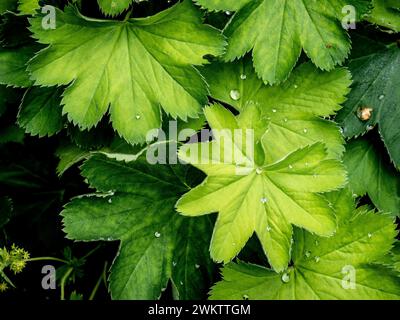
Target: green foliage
{"points": [[157, 245], [266, 197], [370, 174], [165, 76], [319, 264], [376, 76], [175, 137], [284, 28]]}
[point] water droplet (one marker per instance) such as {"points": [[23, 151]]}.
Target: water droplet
{"points": [[163, 289], [295, 86], [197, 266], [245, 297], [316, 259], [137, 117], [308, 253], [269, 228], [235, 95], [264, 200], [157, 234], [341, 130], [243, 77], [174, 263], [228, 13], [381, 97], [285, 120], [305, 130], [370, 127], [109, 239], [274, 110], [369, 235], [181, 283], [285, 278], [316, 243], [259, 171], [290, 166], [110, 200]]}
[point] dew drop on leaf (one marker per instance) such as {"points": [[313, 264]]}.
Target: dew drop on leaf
{"points": [[245, 297], [243, 77], [235, 95], [308, 254], [264, 200], [381, 97], [197, 266], [259, 171], [316, 259], [157, 234], [285, 278], [369, 235]]}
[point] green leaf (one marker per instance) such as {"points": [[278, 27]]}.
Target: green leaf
{"points": [[156, 244], [370, 174], [28, 7], [292, 107], [114, 7], [7, 5], [392, 259], [277, 31], [376, 76], [252, 193], [13, 64], [167, 45], [323, 268], [40, 111], [386, 14], [69, 155]]}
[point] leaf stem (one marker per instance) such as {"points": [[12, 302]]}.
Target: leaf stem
{"points": [[101, 278], [47, 258], [62, 285]]}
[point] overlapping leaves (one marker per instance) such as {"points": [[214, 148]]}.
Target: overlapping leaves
{"points": [[134, 203], [340, 267], [376, 74], [277, 31], [252, 193], [167, 46]]}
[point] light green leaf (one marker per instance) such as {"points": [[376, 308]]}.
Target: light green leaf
{"points": [[340, 267], [40, 111], [292, 107], [115, 7], [386, 13], [252, 193], [376, 77], [28, 7], [370, 174], [156, 244], [277, 31], [167, 45]]}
